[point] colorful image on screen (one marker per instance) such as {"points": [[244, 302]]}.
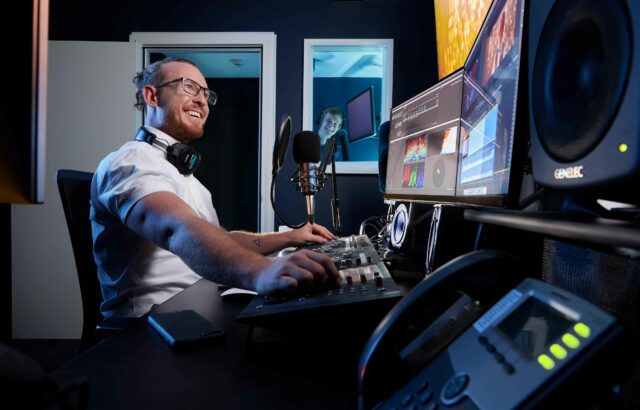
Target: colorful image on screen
{"points": [[501, 39], [442, 141], [415, 149], [457, 25], [413, 175]]}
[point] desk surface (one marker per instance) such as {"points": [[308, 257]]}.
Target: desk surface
{"points": [[136, 369]]}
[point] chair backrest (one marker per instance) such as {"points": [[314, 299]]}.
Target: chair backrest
{"points": [[75, 193]]}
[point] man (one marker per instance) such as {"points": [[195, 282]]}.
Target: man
{"points": [[331, 120], [154, 227], [330, 123]]}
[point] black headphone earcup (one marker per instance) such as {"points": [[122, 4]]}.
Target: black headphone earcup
{"points": [[184, 157]]}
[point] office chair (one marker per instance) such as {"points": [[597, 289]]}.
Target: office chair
{"points": [[75, 193]]}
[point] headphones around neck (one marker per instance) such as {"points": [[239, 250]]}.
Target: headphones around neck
{"points": [[184, 157]]}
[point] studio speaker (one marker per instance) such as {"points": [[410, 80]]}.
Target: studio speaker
{"points": [[383, 153], [409, 228], [584, 95]]}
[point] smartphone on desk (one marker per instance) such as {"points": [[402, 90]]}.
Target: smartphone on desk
{"points": [[184, 328]]}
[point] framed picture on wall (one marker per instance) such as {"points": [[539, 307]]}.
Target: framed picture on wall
{"points": [[347, 95]]}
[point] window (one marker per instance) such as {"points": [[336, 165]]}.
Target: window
{"points": [[335, 72]]}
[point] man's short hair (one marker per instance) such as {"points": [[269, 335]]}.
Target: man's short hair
{"points": [[152, 75], [335, 111]]}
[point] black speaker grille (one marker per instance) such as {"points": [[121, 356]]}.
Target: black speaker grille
{"points": [[608, 280], [580, 74]]}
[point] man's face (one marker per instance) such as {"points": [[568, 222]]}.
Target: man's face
{"points": [[330, 124], [182, 115]]}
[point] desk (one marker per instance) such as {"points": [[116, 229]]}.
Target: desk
{"points": [[135, 369]]}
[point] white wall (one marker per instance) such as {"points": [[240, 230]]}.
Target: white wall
{"points": [[90, 113]]}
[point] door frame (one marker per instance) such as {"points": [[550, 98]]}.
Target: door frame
{"points": [[267, 42]]}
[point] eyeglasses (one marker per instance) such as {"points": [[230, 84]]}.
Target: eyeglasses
{"points": [[192, 88]]}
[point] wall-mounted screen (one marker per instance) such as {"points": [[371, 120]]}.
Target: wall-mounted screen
{"points": [[361, 122]]}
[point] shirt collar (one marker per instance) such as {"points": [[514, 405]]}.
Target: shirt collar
{"points": [[162, 135]]}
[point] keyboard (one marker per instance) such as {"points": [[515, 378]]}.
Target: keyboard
{"points": [[367, 288]]}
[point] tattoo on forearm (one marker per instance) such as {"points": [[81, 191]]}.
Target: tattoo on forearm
{"points": [[257, 242]]}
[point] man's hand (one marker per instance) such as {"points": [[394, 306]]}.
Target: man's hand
{"points": [[297, 273], [313, 233]]}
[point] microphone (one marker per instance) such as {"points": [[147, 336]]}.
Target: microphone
{"points": [[306, 153]]}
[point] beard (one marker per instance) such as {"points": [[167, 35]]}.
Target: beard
{"points": [[184, 129]]}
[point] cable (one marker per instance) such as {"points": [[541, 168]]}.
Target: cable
{"points": [[273, 204], [369, 221], [380, 223]]}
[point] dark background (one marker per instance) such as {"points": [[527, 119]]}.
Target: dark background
{"points": [[231, 173]]}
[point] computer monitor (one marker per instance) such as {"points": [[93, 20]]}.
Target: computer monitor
{"points": [[423, 144], [361, 121], [489, 157], [456, 142], [24, 99]]}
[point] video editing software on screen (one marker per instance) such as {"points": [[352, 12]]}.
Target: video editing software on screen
{"points": [[423, 146]]}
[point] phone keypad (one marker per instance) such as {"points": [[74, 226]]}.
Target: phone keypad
{"points": [[506, 366], [421, 398]]}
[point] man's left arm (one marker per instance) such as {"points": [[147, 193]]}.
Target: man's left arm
{"points": [[266, 243]]}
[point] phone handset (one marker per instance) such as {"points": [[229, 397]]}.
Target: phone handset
{"points": [[430, 317]]}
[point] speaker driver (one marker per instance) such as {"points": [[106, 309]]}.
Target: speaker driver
{"points": [[399, 226], [580, 74]]}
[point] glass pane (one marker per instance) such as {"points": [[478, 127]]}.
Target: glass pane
{"points": [[347, 98]]}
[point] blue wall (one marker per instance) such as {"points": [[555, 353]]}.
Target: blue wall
{"points": [[409, 22]]}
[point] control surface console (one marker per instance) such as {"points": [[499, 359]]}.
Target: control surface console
{"points": [[366, 283]]}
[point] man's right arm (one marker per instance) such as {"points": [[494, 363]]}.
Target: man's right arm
{"points": [[166, 220]]}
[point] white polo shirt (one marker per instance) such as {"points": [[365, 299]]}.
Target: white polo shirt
{"points": [[134, 272]]}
